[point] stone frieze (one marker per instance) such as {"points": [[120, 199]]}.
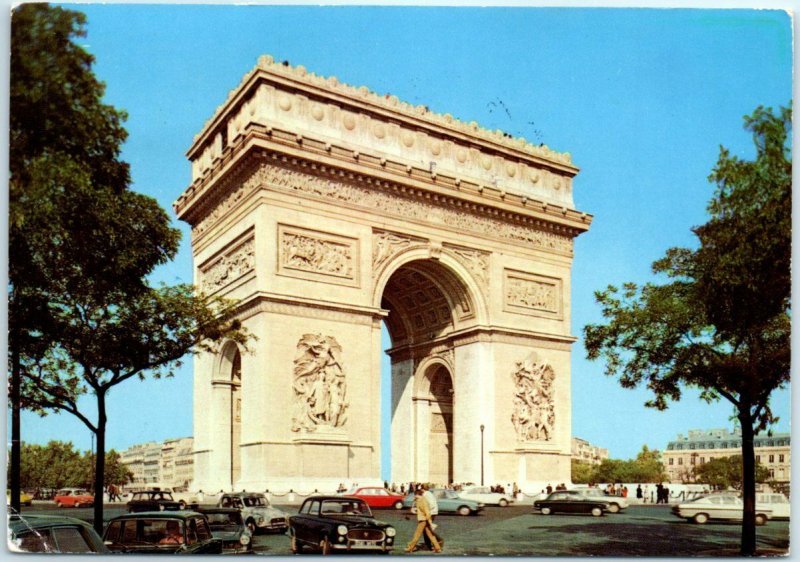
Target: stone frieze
{"points": [[231, 265], [533, 412]]}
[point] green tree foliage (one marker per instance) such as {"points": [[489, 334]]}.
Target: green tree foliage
{"points": [[646, 467], [726, 472], [582, 472], [83, 317], [720, 321]]}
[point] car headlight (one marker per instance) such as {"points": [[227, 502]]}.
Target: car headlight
{"points": [[260, 519], [390, 531], [244, 539], [341, 529], [161, 507]]}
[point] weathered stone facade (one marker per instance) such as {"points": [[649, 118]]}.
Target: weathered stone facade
{"points": [[327, 210]]}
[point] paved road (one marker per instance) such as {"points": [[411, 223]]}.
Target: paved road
{"points": [[639, 531]]}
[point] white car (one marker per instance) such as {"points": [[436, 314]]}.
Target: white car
{"points": [[482, 494], [777, 502], [615, 503], [719, 507]]}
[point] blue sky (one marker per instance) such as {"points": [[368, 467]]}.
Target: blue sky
{"points": [[642, 99]]}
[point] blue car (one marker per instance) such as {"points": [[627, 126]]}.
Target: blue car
{"points": [[448, 501]]}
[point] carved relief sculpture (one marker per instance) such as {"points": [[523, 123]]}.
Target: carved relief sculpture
{"points": [[384, 246], [313, 254], [319, 384], [534, 410], [476, 262], [532, 294], [232, 265]]}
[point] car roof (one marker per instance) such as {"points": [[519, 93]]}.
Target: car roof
{"points": [[159, 515], [217, 510], [244, 494], [18, 524], [338, 498]]}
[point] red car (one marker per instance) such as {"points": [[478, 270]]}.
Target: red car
{"points": [[73, 497], [377, 497]]}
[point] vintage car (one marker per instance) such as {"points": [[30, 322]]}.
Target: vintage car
{"points": [[484, 495], [570, 501], [152, 500], [377, 497], [227, 525], [73, 497], [339, 524], [24, 498], [161, 532], [777, 502], [257, 513], [53, 533], [448, 501], [720, 507], [615, 503]]}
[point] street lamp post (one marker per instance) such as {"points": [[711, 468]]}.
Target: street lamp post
{"points": [[482, 428]]}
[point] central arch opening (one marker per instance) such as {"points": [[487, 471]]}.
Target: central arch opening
{"points": [[427, 301]]}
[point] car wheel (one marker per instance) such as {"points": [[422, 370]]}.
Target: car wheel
{"points": [[701, 518], [325, 547], [76, 505], [613, 508], [502, 503], [761, 519], [546, 511], [251, 526], [464, 510], [58, 504], [294, 545], [597, 511]]}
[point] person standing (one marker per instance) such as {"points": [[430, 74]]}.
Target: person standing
{"points": [[639, 494], [423, 523], [549, 489], [434, 507]]}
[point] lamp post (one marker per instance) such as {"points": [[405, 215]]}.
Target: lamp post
{"points": [[482, 428]]}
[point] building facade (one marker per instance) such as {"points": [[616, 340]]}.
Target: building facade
{"points": [[327, 210], [169, 464], [700, 446], [585, 452]]}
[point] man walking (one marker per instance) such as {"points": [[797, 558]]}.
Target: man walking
{"points": [[434, 507], [423, 523]]}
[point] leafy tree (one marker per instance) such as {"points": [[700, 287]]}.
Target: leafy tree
{"points": [[582, 472], [726, 472], [720, 321], [52, 466], [82, 315], [648, 466]]}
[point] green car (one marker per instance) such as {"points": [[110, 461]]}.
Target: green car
{"points": [[161, 532], [448, 501], [53, 533]]}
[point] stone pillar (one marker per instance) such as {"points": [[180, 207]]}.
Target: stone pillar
{"points": [[220, 454], [422, 430], [402, 421]]}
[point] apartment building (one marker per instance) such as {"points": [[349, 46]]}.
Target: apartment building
{"points": [[584, 451], [168, 464]]}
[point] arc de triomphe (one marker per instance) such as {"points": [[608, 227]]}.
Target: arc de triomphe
{"points": [[327, 210]]}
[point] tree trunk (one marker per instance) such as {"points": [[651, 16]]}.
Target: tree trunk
{"points": [[100, 462], [748, 482]]}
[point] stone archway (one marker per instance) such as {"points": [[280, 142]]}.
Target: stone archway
{"points": [[327, 210]]}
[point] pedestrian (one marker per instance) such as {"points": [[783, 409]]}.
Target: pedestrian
{"points": [[424, 524], [666, 495], [434, 507], [639, 494], [659, 493], [624, 492], [549, 489]]}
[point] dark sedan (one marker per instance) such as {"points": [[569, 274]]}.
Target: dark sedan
{"points": [[227, 525], [152, 500], [570, 502], [52, 534], [339, 523], [161, 532]]}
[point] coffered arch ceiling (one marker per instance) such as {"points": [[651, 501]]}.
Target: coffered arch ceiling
{"points": [[425, 300]]}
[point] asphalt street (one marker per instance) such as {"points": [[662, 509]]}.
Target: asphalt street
{"points": [[516, 531]]}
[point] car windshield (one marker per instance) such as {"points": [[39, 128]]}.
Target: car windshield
{"points": [[224, 519], [153, 531], [255, 501], [345, 507]]}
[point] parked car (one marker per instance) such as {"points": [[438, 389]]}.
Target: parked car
{"points": [[339, 523], [24, 498], [73, 497], [775, 501], [226, 524], [377, 497], [161, 532], [570, 501], [484, 495], [152, 500], [615, 503], [448, 501], [721, 507], [53, 533], [256, 510]]}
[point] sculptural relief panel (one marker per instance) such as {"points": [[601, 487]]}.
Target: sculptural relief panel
{"points": [[537, 295], [234, 263], [309, 254], [533, 413], [320, 385]]}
